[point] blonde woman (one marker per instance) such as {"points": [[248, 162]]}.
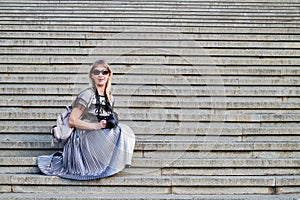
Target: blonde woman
{"points": [[96, 148]]}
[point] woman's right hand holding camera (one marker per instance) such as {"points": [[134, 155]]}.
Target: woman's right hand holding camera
{"points": [[100, 125], [103, 123]]}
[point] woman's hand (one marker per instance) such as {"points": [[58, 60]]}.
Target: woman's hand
{"points": [[103, 123]]}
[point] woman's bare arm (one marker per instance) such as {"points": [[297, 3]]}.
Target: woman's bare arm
{"points": [[76, 122]]}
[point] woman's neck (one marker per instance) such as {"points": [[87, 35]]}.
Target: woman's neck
{"points": [[101, 90]]}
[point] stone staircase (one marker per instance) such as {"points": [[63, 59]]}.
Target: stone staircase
{"points": [[211, 89]]}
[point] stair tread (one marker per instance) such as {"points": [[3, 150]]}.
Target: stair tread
{"points": [[180, 162], [178, 146], [48, 196], [136, 180]]}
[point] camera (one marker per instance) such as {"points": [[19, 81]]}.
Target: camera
{"points": [[111, 120]]}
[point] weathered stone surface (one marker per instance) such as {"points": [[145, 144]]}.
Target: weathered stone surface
{"points": [[111, 181], [288, 181], [157, 60], [114, 196], [179, 162], [165, 102], [228, 171], [222, 190], [5, 189], [5, 179], [206, 181], [19, 170], [185, 146], [85, 189], [170, 90], [166, 80], [215, 30], [211, 89], [289, 190], [145, 52], [48, 196]]}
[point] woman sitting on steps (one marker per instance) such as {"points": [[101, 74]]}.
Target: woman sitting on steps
{"points": [[95, 148]]}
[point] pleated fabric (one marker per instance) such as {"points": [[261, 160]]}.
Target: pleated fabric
{"points": [[92, 154]]}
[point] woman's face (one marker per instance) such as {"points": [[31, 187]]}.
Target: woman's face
{"points": [[100, 76]]}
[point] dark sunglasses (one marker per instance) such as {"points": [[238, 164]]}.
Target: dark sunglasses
{"points": [[102, 71]]}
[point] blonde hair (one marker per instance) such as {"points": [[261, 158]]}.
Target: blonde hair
{"points": [[102, 63]]}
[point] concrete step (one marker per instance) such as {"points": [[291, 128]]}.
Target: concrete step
{"points": [[150, 5], [137, 102], [261, 16], [124, 29], [183, 185], [177, 171], [50, 196], [162, 115], [230, 103], [139, 43], [188, 81], [148, 90], [230, 18], [151, 60], [290, 13], [161, 134], [217, 154], [154, 70], [151, 51], [179, 163], [134, 103], [145, 6], [156, 114], [54, 51], [152, 130], [141, 35], [173, 137], [154, 8], [14, 196], [175, 167], [149, 21], [145, 12], [182, 4], [173, 146], [176, 4], [151, 146], [171, 2]]}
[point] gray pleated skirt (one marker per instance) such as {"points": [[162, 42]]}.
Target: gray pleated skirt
{"points": [[91, 155]]}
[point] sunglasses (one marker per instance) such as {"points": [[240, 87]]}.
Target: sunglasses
{"points": [[102, 71]]}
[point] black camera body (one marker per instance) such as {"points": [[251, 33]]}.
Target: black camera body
{"points": [[111, 120]]}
